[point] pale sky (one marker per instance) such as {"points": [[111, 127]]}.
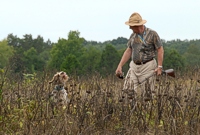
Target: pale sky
{"points": [[98, 20]]}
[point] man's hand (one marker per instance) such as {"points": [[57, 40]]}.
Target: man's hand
{"points": [[119, 72], [158, 70]]}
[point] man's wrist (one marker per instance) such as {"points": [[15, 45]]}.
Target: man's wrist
{"points": [[159, 66]]}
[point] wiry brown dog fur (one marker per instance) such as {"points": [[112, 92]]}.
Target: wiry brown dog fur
{"points": [[59, 95], [60, 78]]}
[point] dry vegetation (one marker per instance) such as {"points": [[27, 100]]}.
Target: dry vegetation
{"points": [[99, 107]]}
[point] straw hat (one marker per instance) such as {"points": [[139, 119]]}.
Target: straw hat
{"points": [[135, 20]]}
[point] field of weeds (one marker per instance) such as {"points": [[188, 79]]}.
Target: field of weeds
{"points": [[99, 107]]}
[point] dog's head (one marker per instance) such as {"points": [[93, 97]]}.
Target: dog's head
{"points": [[60, 78]]}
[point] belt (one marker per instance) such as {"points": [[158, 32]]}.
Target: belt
{"points": [[143, 62]]}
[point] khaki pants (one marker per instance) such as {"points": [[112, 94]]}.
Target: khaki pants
{"points": [[139, 75]]}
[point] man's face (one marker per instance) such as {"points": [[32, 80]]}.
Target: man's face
{"points": [[137, 29]]}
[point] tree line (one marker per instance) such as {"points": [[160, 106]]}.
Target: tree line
{"points": [[77, 56]]}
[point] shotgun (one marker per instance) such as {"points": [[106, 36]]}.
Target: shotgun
{"points": [[169, 72]]}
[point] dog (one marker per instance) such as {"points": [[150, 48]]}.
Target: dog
{"points": [[60, 78], [59, 95]]}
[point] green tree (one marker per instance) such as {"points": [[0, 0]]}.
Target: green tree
{"points": [[109, 60], [172, 59], [58, 54], [22, 49], [90, 60], [192, 55], [13, 40], [64, 47], [71, 65], [5, 53], [32, 62], [75, 44], [40, 45]]}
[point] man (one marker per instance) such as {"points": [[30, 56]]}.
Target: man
{"points": [[143, 46]]}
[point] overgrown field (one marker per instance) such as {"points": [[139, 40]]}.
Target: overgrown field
{"points": [[100, 107]]}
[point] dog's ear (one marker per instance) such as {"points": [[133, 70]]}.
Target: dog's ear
{"points": [[67, 77], [52, 80], [58, 73], [54, 77]]}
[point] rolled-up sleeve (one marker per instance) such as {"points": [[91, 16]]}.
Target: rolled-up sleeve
{"points": [[130, 41], [157, 41]]}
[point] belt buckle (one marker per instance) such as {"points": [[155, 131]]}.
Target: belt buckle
{"points": [[138, 62]]}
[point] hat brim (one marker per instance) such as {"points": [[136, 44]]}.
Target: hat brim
{"points": [[136, 24]]}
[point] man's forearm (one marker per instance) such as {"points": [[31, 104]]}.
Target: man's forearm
{"points": [[126, 56], [160, 56]]}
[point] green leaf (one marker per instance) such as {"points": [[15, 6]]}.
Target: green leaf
{"points": [[20, 124]]}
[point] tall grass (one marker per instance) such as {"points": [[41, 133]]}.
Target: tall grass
{"points": [[99, 106]]}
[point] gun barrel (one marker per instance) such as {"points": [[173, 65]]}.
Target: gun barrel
{"points": [[169, 72]]}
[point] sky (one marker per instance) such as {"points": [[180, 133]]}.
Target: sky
{"points": [[98, 20]]}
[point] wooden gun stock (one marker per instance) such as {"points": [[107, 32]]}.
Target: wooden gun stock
{"points": [[169, 72]]}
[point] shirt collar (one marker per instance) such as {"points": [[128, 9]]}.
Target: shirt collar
{"points": [[144, 33]]}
